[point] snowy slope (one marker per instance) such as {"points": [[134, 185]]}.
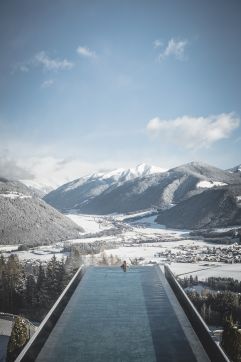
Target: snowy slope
{"points": [[236, 169], [79, 192], [25, 219], [142, 188], [214, 207], [119, 175], [40, 188]]}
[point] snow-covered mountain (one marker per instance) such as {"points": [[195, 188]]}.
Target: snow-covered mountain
{"points": [[25, 219], [236, 169], [219, 207], [74, 194], [119, 176], [126, 191], [40, 188]]}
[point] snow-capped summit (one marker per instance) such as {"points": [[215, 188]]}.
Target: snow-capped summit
{"points": [[139, 188], [119, 175], [80, 191], [140, 170], [235, 169]]}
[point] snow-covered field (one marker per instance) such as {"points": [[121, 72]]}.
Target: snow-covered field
{"points": [[91, 223], [129, 237], [205, 271]]}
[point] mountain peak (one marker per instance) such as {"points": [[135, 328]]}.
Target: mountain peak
{"points": [[235, 169], [140, 170]]}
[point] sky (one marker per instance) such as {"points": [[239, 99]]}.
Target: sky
{"points": [[89, 85]]}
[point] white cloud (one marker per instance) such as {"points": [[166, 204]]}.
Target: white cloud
{"points": [[157, 43], [53, 171], [175, 48], [47, 83], [85, 52], [10, 169], [48, 63], [47, 170], [194, 132], [44, 61]]}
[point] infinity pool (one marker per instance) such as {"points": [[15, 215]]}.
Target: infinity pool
{"points": [[116, 316]]}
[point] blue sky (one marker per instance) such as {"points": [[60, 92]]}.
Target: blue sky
{"points": [[89, 85]]}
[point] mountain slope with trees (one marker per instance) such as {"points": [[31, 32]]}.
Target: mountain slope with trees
{"points": [[212, 208], [154, 190], [25, 219]]}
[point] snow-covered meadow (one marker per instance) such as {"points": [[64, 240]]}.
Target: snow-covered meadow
{"points": [[138, 237]]}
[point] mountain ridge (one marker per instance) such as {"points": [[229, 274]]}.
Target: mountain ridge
{"points": [[161, 190]]}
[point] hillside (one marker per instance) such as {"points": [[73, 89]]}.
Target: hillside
{"points": [[25, 219], [220, 207], [105, 195], [80, 192]]}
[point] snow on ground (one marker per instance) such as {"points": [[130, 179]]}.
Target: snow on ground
{"points": [[190, 268], [126, 217], [42, 253], [89, 240], [209, 184], [140, 238], [149, 254], [132, 252], [149, 225], [223, 271], [6, 248], [91, 223], [40, 256], [205, 270], [15, 195]]}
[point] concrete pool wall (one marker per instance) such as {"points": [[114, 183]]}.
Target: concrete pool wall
{"points": [[107, 315]]}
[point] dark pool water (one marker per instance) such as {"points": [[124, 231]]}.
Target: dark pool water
{"points": [[115, 316]]}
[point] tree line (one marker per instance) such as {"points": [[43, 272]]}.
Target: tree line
{"points": [[32, 294], [214, 283], [219, 305]]}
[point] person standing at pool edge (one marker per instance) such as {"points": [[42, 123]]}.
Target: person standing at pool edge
{"points": [[124, 266]]}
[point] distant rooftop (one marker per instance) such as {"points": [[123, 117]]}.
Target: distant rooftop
{"points": [[123, 316]]}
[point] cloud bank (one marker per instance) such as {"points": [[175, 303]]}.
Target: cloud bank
{"points": [[194, 132], [10, 169]]}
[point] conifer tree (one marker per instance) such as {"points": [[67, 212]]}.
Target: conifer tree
{"points": [[19, 337], [231, 340], [31, 291]]}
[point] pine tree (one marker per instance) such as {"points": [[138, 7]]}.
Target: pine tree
{"points": [[13, 283], [231, 340], [43, 298], [73, 261], [19, 337], [55, 278], [31, 291]]}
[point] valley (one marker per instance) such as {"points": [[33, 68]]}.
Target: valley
{"points": [[188, 217], [142, 241]]}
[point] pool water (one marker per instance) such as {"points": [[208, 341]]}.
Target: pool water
{"points": [[117, 316]]}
